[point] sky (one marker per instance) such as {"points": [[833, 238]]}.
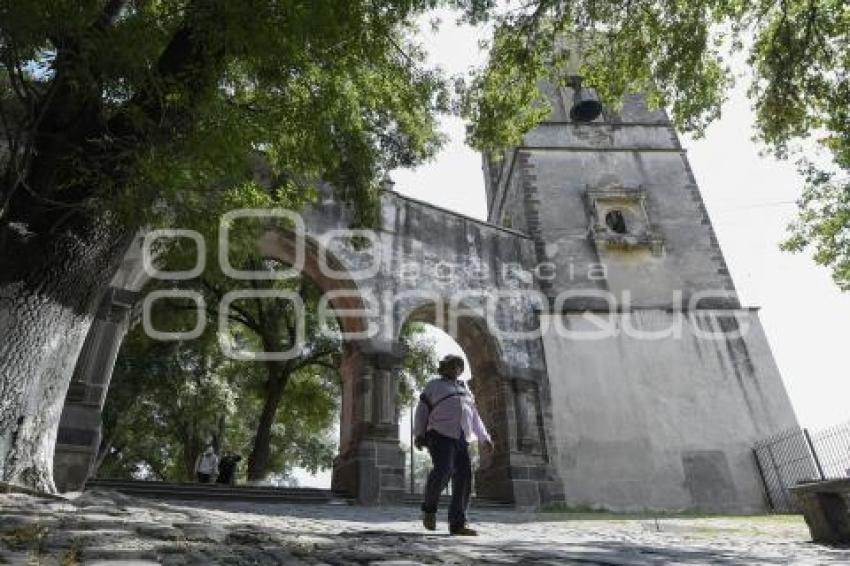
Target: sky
{"points": [[750, 200]]}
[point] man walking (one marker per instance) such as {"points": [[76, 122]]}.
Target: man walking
{"points": [[446, 419]]}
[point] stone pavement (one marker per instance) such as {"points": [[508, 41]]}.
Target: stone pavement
{"points": [[109, 528]]}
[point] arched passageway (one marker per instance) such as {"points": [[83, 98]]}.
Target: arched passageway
{"points": [[368, 411], [374, 292], [518, 470]]}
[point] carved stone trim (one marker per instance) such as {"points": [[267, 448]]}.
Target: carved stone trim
{"points": [[641, 234]]}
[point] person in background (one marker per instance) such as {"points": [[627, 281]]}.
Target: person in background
{"points": [[227, 468], [206, 465], [446, 419]]}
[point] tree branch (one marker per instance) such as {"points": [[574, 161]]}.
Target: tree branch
{"points": [[248, 321], [316, 359], [214, 313]]}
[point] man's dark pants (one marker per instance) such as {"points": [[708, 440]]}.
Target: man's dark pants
{"points": [[450, 458]]}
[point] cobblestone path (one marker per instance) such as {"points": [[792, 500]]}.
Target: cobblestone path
{"points": [[109, 528]]}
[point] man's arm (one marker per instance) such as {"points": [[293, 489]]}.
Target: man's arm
{"points": [[479, 429], [420, 419]]}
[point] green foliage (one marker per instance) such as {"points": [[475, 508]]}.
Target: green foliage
{"points": [[420, 361], [303, 433], [678, 53], [667, 50], [134, 104], [824, 222], [126, 109], [165, 402], [168, 400]]}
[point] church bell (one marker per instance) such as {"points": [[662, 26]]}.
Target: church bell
{"points": [[586, 105]]}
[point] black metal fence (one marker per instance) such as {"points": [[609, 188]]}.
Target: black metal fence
{"points": [[832, 451], [797, 455]]}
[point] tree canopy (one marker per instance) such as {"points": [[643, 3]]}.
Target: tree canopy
{"points": [[114, 112], [167, 401], [114, 104]]}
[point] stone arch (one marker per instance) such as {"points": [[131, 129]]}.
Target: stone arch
{"points": [[484, 353], [369, 463], [484, 259], [366, 368], [513, 402], [280, 245]]}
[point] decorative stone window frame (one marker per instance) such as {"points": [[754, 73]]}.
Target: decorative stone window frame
{"points": [[605, 238]]}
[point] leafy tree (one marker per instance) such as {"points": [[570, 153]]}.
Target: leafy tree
{"points": [[420, 361], [167, 400], [824, 220], [303, 432], [113, 110], [266, 325]]}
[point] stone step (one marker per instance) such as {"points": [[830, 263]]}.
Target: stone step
{"points": [[189, 491], [133, 484], [255, 493]]}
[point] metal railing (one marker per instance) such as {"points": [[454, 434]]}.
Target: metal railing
{"points": [[832, 451], [797, 455]]}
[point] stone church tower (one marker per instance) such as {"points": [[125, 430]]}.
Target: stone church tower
{"points": [[660, 380]]}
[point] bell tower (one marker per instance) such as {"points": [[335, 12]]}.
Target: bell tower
{"points": [[612, 205], [660, 381]]}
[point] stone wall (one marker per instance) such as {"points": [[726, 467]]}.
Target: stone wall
{"points": [[646, 419], [79, 435], [555, 173]]}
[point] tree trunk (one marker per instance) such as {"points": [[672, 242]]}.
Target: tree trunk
{"points": [[190, 450], [258, 461], [218, 435], [49, 288]]}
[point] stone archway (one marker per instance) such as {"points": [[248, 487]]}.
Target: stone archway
{"points": [[492, 478], [482, 259], [511, 403], [369, 463], [369, 466]]}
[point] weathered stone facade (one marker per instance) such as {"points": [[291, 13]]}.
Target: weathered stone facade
{"points": [[578, 214], [660, 394]]}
